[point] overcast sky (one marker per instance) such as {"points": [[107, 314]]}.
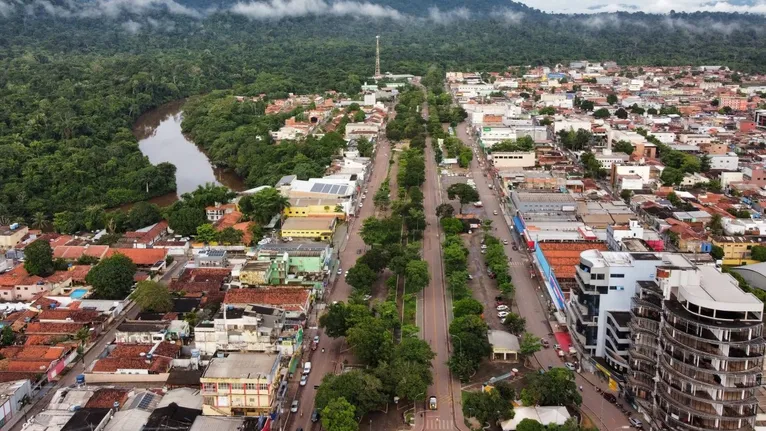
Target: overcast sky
{"points": [[649, 6]]}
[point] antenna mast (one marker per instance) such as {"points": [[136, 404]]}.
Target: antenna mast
{"points": [[377, 57]]}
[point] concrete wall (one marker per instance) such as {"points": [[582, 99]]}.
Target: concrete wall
{"points": [[125, 378]]}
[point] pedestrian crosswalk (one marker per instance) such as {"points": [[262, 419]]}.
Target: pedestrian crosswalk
{"points": [[434, 424]]}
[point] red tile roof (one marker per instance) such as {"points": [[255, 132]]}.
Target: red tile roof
{"points": [[165, 348], [74, 252], [50, 328], [563, 256], [106, 397], [141, 256], [150, 235], [28, 366], [111, 365], [77, 316], [76, 273], [11, 376], [228, 220], [291, 299], [18, 277], [33, 352]]}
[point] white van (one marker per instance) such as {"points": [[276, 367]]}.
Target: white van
{"points": [[307, 368]]}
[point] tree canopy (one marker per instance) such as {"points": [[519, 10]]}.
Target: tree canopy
{"points": [[153, 296], [112, 278], [38, 258]]}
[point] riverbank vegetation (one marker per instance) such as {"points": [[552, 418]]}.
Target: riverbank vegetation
{"points": [[73, 83]]}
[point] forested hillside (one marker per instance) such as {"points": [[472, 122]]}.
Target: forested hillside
{"points": [[73, 79]]}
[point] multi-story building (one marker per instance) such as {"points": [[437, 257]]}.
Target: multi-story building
{"points": [[599, 306], [697, 350], [252, 328], [514, 159], [541, 202], [737, 249], [241, 384]]}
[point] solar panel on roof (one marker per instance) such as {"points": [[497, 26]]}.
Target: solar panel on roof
{"points": [[316, 188], [327, 188], [145, 401], [334, 189], [343, 190]]}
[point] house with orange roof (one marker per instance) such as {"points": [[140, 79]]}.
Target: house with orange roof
{"points": [[38, 359], [74, 252], [142, 257], [145, 237], [296, 301], [18, 285]]}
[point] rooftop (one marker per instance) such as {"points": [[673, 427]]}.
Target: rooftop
{"points": [[111, 365], [140, 256], [86, 419], [287, 298], [242, 366], [165, 348], [544, 197], [142, 326], [308, 223], [503, 340]]}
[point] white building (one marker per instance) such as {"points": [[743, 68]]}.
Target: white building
{"points": [[731, 177], [516, 159], [598, 312], [361, 130], [724, 162], [11, 393], [607, 158], [571, 124], [643, 171]]}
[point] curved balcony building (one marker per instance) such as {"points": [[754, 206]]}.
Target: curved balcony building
{"points": [[697, 350]]}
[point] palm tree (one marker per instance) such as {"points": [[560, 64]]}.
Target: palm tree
{"points": [[40, 221], [83, 335]]}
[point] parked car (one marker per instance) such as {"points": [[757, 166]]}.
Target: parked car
{"points": [[505, 241], [315, 416], [636, 422], [470, 277], [340, 271], [316, 339], [346, 274], [545, 343], [304, 380], [515, 247], [570, 366], [483, 246], [502, 307], [502, 314], [294, 406], [610, 397], [494, 212], [483, 251]]}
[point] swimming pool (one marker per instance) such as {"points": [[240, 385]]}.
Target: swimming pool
{"points": [[78, 293]]}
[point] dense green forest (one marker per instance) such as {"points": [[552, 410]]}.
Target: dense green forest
{"points": [[74, 79]]}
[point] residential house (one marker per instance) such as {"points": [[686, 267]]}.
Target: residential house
{"points": [[218, 211], [316, 207], [241, 384], [211, 258], [295, 301], [139, 332], [137, 359], [18, 285], [146, 258], [145, 237], [74, 252], [206, 281]]}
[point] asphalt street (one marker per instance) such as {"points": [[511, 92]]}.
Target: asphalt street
{"points": [[331, 360], [529, 296]]}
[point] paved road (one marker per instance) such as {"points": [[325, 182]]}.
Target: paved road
{"points": [[69, 378], [528, 297], [436, 307], [335, 350]]}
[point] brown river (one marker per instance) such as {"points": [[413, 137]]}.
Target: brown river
{"points": [[159, 137]]}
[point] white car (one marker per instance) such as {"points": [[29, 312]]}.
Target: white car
{"points": [[636, 423], [505, 241], [502, 307], [340, 271], [494, 212], [484, 246], [502, 314], [570, 366], [304, 380], [294, 406], [346, 274], [484, 252]]}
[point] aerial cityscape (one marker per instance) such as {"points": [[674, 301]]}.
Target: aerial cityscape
{"points": [[296, 215]]}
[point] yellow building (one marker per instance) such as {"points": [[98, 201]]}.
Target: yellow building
{"points": [[241, 384], [309, 227], [11, 235], [313, 207], [736, 249]]}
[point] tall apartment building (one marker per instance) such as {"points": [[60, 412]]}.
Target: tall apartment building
{"points": [[697, 350], [598, 312]]}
